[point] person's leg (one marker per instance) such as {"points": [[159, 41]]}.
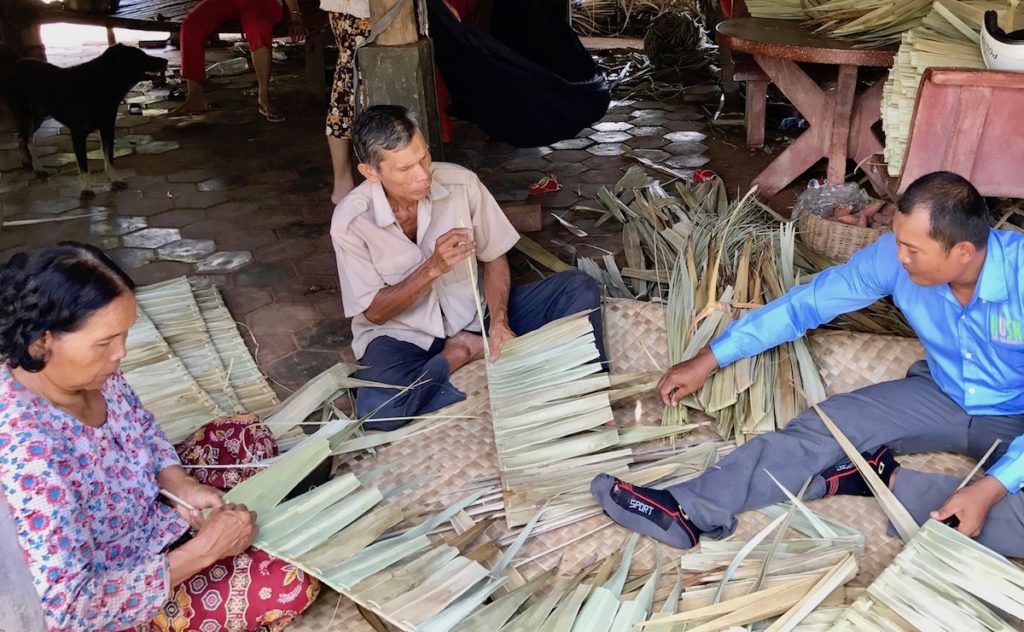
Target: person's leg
{"points": [[534, 305], [908, 415], [230, 440], [197, 27], [923, 492], [391, 361], [243, 592], [349, 33], [258, 18]]}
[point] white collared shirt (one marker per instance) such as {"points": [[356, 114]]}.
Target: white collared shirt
{"points": [[374, 253]]}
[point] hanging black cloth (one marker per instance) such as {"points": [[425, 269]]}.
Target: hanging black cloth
{"points": [[530, 84]]}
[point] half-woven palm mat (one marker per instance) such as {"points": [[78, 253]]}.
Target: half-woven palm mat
{"points": [[461, 453]]}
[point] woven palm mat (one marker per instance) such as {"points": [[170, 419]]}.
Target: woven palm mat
{"points": [[460, 454]]}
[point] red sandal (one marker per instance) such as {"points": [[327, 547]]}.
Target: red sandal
{"points": [[547, 184]]}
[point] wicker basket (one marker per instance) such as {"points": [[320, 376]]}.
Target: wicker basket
{"points": [[835, 240]]}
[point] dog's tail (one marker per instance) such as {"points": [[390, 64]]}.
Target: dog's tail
{"points": [[8, 57]]}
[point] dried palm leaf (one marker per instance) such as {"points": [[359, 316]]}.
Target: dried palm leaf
{"points": [[173, 309], [247, 381], [776, 9], [942, 581], [168, 390]]}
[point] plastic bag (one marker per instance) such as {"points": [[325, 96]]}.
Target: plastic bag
{"points": [[822, 199]]}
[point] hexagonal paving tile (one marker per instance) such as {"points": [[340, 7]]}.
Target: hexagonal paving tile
{"points": [[511, 195], [527, 164], [683, 126], [602, 176], [157, 147], [242, 300], [573, 143], [302, 366], [679, 149], [654, 155], [327, 335], [225, 262], [130, 258], [186, 250], [115, 225], [685, 137], [606, 149], [279, 318], [178, 218], [284, 250], [221, 183], [55, 206], [197, 199], [688, 162], [648, 130], [55, 161], [685, 115], [151, 237], [568, 156], [609, 137], [647, 142], [608, 126]]}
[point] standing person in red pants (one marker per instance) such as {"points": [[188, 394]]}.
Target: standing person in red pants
{"points": [[258, 18]]}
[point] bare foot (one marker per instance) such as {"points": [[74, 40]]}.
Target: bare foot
{"points": [[192, 106], [461, 349]]}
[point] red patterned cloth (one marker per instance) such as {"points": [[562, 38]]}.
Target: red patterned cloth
{"points": [[253, 590]]}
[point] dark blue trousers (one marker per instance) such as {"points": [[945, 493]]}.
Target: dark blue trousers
{"points": [[392, 361]]}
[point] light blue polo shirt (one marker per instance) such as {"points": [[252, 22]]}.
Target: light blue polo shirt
{"points": [[975, 353]]}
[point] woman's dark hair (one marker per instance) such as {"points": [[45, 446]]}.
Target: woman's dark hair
{"points": [[53, 289], [956, 209]]}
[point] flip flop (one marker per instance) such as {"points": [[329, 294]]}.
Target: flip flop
{"points": [[177, 113], [547, 184], [273, 117]]}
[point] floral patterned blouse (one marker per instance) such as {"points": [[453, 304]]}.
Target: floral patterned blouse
{"points": [[85, 504]]}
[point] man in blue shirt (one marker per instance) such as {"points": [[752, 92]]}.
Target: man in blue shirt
{"points": [[960, 286]]}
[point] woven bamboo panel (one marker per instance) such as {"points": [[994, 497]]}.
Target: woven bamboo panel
{"points": [[848, 361], [331, 613], [635, 336]]}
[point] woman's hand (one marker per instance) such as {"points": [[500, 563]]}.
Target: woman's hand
{"points": [[175, 480], [227, 531], [199, 496]]}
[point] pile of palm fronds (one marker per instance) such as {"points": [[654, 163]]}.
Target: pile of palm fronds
{"points": [[623, 17], [948, 36], [776, 9], [867, 22], [942, 581], [780, 583], [632, 75], [188, 362], [677, 54]]}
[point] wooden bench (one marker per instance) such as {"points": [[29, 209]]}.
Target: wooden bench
{"points": [[746, 70], [167, 16]]}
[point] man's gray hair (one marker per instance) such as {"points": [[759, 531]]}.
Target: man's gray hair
{"points": [[382, 128]]}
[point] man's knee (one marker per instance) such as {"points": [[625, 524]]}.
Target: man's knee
{"points": [[582, 288]]}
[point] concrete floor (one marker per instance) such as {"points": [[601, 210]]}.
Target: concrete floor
{"points": [[246, 202]]}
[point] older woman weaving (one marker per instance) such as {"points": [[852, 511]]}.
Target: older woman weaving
{"points": [[82, 464]]}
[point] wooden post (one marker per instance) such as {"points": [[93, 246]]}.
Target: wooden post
{"points": [[403, 29], [398, 68]]}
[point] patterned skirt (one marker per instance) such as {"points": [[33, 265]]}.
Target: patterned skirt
{"points": [[349, 32], [253, 590]]}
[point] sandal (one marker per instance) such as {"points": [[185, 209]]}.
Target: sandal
{"points": [[547, 184], [273, 117]]}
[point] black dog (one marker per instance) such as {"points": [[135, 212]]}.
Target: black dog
{"points": [[84, 98]]}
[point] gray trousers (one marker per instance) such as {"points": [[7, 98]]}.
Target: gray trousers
{"points": [[910, 415]]}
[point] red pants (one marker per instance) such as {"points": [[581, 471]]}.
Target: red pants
{"points": [[258, 18]]}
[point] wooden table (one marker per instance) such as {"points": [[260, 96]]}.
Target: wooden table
{"points": [[839, 119]]}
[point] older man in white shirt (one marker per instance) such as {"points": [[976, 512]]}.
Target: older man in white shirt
{"points": [[402, 240]]}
